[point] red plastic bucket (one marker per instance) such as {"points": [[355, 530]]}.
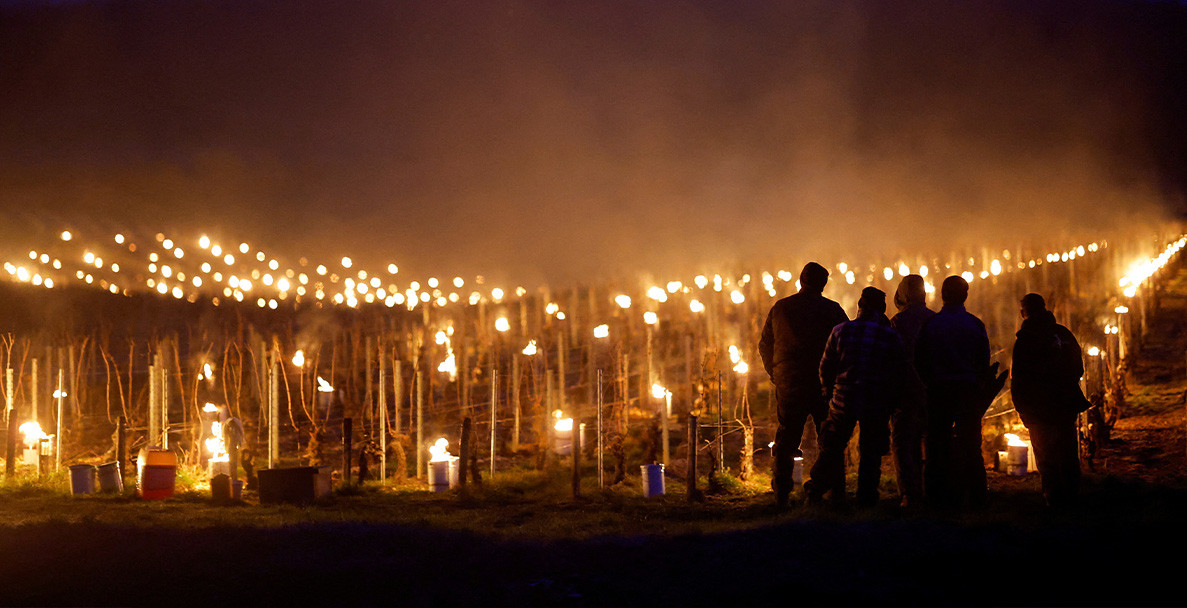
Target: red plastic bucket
{"points": [[156, 473]]}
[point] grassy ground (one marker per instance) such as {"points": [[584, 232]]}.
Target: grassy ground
{"points": [[524, 540]]}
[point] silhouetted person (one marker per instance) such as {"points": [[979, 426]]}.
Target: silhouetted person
{"points": [[862, 371], [907, 418], [791, 346], [952, 357], [1045, 386]]}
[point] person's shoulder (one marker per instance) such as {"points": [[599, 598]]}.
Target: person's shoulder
{"points": [[782, 303], [975, 319], [888, 332], [1065, 334], [834, 307]]}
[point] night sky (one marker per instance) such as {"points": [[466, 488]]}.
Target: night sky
{"points": [[549, 140]]}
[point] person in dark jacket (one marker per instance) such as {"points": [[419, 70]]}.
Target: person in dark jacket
{"points": [[1045, 387], [907, 419], [952, 357], [862, 371], [792, 343]]}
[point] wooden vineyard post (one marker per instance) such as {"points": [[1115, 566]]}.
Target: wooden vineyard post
{"points": [[720, 427], [420, 419], [10, 458], [693, 493], [382, 418], [515, 406], [154, 414], [347, 431], [121, 445], [576, 451], [397, 393], [601, 471], [464, 453], [274, 412], [10, 428], [58, 420], [494, 406]]}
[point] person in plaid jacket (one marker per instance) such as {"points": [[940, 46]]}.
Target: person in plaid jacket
{"points": [[862, 372]]}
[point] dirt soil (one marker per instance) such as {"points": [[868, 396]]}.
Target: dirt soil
{"points": [[1149, 441]]}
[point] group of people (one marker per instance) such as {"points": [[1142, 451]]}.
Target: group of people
{"points": [[917, 384]]}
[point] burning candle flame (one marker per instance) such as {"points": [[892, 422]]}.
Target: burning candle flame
{"points": [[323, 386], [659, 392], [439, 451], [33, 434], [1014, 440]]}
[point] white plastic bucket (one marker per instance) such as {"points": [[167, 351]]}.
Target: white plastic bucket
{"points": [[82, 479], [443, 474], [562, 442], [1017, 459], [653, 479]]}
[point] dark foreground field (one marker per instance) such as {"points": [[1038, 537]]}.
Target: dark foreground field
{"points": [[1122, 548]]}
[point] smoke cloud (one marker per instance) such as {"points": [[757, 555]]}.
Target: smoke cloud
{"points": [[538, 141]]}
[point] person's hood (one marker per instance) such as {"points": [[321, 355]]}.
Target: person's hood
{"points": [[910, 292], [1039, 321]]}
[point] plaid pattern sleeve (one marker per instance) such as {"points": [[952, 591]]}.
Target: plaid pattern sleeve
{"points": [[866, 356]]}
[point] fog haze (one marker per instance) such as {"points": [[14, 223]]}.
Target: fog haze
{"points": [[554, 140]]}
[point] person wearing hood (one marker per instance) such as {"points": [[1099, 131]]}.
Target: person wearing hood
{"points": [[1045, 387], [907, 420], [792, 342], [862, 371]]}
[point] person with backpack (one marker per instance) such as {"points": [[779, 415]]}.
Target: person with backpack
{"points": [[1045, 386]]}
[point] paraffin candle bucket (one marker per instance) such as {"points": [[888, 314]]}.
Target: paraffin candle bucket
{"points": [[1016, 459], [82, 479], [110, 479], [653, 479], [156, 473], [443, 474]]}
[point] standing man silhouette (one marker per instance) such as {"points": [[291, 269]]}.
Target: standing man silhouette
{"points": [[792, 344], [952, 357]]}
